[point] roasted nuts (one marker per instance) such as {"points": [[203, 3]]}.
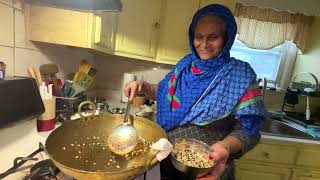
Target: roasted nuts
{"points": [[192, 159]]}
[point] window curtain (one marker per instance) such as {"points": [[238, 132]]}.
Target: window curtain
{"points": [[267, 28]]}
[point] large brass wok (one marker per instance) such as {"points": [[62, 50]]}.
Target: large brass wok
{"points": [[79, 148]]}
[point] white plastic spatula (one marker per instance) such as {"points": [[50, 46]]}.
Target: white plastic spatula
{"points": [[124, 137]]}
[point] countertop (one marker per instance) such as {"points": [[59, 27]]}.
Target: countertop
{"points": [[290, 139]]}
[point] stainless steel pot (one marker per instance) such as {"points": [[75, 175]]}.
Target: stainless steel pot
{"points": [[198, 147]]}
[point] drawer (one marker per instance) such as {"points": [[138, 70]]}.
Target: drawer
{"points": [[272, 153], [304, 174], [309, 157]]}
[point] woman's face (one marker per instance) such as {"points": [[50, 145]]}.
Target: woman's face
{"points": [[209, 37]]}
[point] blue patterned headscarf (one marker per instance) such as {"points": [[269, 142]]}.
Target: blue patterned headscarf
{"points": [[200, 98]]}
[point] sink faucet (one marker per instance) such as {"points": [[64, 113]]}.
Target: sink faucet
{"points": [[264, 85]]}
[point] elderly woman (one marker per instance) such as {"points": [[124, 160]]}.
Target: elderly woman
{"points": [[209, 95]]}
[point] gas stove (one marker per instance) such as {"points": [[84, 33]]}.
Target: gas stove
{"points": [[35, 166]]}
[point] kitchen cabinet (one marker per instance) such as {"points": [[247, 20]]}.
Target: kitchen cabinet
{"points": [[148, 30], [6, 24], [73, 28], [306, 175], [174, 37], [280, 160], [258, 172], [229, 3], [138, 29], [104, 28]]}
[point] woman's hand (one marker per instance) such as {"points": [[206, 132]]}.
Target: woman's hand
{"points": [[220, 155], [132, 89]]}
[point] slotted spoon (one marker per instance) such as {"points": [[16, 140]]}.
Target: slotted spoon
{"points": [[124, 137]]}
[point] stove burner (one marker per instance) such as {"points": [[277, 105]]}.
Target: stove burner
{"points": [[44, 170]]}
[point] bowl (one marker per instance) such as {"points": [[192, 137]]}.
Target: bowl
{"points": [[191, 157]]}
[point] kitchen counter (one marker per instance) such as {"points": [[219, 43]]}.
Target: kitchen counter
{"points": [[289, 139]]}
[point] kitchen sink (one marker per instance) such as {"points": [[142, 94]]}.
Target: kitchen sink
{"points": [[284, 128]]}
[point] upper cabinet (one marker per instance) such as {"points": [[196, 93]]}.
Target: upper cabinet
{"points": [[229, 3], [7, 27], [104, 31], [73, 28], [174, 38], [138, 28], [154, 30]]}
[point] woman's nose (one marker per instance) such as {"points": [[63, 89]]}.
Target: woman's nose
{"points": [[204, 43]]}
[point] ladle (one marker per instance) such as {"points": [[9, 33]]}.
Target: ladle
{"points": [[124, 137]]}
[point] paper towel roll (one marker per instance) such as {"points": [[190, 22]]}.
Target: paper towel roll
{"points": [[127, 77]]}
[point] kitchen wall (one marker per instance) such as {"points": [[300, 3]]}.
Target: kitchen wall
{"points": [[19, 54], [309, 61], [111, 69]]}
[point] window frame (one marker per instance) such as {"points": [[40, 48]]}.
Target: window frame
{"points": [[282, 49]]}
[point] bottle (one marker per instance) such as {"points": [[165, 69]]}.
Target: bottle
{"points": [[2, 70]]}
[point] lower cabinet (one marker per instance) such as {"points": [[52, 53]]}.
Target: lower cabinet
{"points": [[306, 174], [260, 172], [280, 160]]}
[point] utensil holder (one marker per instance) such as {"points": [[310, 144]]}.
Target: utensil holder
{"points": [[46, 121], [66, 107]]}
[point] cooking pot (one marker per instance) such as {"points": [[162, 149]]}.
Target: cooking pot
{"points": [[79, 148]]}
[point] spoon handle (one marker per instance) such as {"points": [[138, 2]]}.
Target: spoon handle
{"points": [[127, 112]]}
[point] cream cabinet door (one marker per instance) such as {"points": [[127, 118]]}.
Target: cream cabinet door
{"points": [[138, 27], [59, 26], [306, 175], [174, 38], [104, 31], [229, 3], [259, 172], [6, 26]]}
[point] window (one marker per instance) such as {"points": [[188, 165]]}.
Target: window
{"points": [[266, 63]]}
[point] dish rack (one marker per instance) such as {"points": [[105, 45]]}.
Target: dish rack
{"points": [[303, 84]]}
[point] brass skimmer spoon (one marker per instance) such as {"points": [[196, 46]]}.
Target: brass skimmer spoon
{"points": [[124, 137]]}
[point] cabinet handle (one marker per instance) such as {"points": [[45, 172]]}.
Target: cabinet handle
{"points": [[156, 25], [266, 155]]}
